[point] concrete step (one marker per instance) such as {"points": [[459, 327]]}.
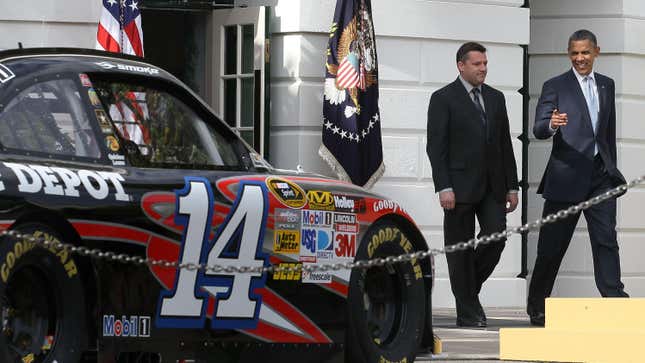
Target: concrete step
{"points": [[593, 330]]}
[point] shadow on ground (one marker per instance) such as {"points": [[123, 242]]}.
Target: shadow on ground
{"points": [[473, 344]]}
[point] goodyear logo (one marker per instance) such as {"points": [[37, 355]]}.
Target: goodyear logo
{"points": [[286, 241], [287, 192], [319, 199], [288, 272], [22, 247]]}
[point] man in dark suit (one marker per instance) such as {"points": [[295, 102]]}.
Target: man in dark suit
{"points": [[474, 172], [577, 109]]}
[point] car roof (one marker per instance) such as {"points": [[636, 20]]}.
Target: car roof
{"points": [[87, 60]]}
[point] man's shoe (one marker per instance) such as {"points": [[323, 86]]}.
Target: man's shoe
{"points": [[471, 324], [537, 319]]}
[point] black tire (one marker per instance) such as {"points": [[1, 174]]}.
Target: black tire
{"points": [[41, 301], [386, 304]]}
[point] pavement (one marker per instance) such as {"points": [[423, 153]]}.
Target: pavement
{"points": [[480, 345]]}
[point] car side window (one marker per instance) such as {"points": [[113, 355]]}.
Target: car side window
{"points": [[165, 130], [48, 117]]}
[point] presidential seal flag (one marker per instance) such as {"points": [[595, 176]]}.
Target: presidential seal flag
{"points": [[351, 135]]}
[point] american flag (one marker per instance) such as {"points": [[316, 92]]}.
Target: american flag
{"points": [[120, 27], [347, 76]]}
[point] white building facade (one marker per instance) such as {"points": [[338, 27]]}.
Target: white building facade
{"points": [[416, 43]]}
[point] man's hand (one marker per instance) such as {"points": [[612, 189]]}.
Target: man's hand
{"points": [[558, 119], [447, 200], [511, 202]]}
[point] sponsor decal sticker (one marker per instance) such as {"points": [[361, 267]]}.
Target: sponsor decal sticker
{"points": [[104, 122], [320, 200], [345, 245], [286, 241], [308, 245], [126, 327], [345, 222], [85, 80], [288, 275], [287, 192], [386, 206], [324, 244], [128, 67], [343, 203], [65, 182], [286, 219], [316, 277], [112, 143], [94, 98], [117, 159], [316, 218]]}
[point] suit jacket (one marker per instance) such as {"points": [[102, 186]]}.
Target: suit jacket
{"points": [[567, 177], [466, 155]]}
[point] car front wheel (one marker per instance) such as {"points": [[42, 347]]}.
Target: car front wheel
{"points": [[386, 303], [41, 301]]}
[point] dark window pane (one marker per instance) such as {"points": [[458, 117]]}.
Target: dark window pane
{"points": [[247, 102], [248, 35], [230, 96], [247, 135], [230, 49]]}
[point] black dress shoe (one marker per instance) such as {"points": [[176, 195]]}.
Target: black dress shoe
{"points": [[537, 319], [471, 323]]}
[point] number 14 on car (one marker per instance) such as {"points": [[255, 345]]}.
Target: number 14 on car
{"points": [[237, 243]]}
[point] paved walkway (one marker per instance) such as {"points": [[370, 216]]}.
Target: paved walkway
{"points": [[473, 344]]}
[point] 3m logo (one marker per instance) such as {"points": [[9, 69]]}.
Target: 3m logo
{"points": [[5, 73], [345, 245], [293, 274], [320, 200]]}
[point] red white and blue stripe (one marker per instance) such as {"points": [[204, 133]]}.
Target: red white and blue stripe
{"points": [[119, 29]]}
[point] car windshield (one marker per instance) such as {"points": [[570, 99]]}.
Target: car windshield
{"points": [[162, 130]]}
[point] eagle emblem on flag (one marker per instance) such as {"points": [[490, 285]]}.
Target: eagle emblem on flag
{"points": [[351, 120]]}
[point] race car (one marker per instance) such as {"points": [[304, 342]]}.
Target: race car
{"points": [[195, 247]]}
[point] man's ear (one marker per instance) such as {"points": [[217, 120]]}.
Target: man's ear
{"points": [[460, 66]]}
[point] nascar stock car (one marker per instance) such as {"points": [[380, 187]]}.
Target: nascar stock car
{"points": [[116, 155]]}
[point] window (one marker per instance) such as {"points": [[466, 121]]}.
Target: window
{"points": [[239, 81], [162, 130], [49, 117]]}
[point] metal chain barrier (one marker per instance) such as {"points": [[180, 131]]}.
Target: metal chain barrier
{"points": [[360, 264]]}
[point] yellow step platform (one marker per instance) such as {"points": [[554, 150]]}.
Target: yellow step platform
{"points": [[581, 330]]}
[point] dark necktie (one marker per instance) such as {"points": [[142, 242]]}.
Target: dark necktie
{"points": [[482, 113], [478, 105]]}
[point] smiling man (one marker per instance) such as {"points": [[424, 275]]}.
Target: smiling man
{"points": [[474, 172], [577, 109]]}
